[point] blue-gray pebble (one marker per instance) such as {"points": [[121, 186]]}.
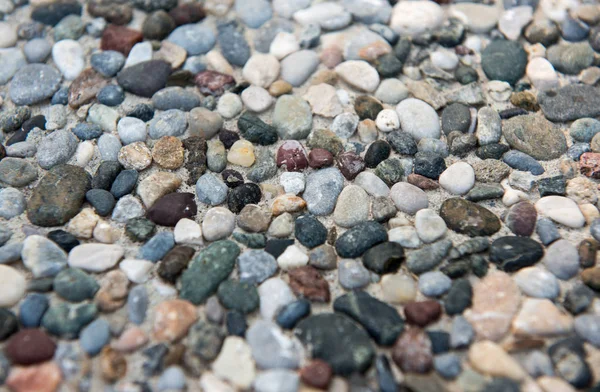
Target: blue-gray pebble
{"points": [[157, 247], [95, 336], [137, 304]]}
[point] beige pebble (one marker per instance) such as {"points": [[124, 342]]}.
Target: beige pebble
{"points": [[82, 225], [287, 203], [241, 153], [490, 359], [173, 54], [235, 363], [136, 156], [590, 212], [541, 318], [398, 288], [105, 233], [172, 319], [554, 384], [44, 377], [168, 152], [156, 185], [279, 88]]}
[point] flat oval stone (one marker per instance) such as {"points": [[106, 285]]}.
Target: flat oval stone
{"points": [[169, 209], [562, 259], [535, 136], [521, 218], [338, 341], [561, 209], [322, 190], [468, 218], [557, 105], [357, 240], [408, 198], [145, 78], [537, 282], [34, 83], [513, 253], [29, 346], [54, 205], [504, 60]]}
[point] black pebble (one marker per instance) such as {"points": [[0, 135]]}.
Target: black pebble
{"points": [[145, 78], [106, 174], [377, 152], [87, 131], [384, 258], [556, 185], [124, 183], [102, 200], [459, 297], [232, 178], [578, 299], [456, 117], [491, 151], [502, 384], [293, 312], [236, 323], [242, 195], [402, 142], [8, 324], [275, 247], [52, 13], [440, 341], [142, 111], [429, 164], [228, 138], [65, 240], [512, 253], [309, 231], [38, 121]]}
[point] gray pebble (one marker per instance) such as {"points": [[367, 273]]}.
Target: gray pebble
{"points": [[34, 83], [194, 38], [11, 60], [353, 275], [428, 257], [37, 50], [108, 63], [94, 336], [547, 231], [297, 67], [137, 304], [434, 283], [322, 190], [11, 253], [12, 203], [256, 266], [448, 365], [128, 207], [175, 98], [56, 148], [109, 147], [462, 333], [211, 190], [169, 123]]}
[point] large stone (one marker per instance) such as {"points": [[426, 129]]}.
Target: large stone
{"points": [[535, 136], [58, 196], [570, 102]]}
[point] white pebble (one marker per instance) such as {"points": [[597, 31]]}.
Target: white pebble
{"points": [[188, 232], [292, 182], [430, 226], [139, 53], [95, 257], [284, 44], [387, 120], [84, 153], [229, 106], [274, 293], [444, 59], [458, 179], [68, 57], [256, 99], [12, 286], [137, 271], [292, 257]]}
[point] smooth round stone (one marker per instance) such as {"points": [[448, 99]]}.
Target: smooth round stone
{"points": [[274, 295], [352, 206], [168, 123], [11, 60], [405, 236], [387, 120], [562, 259], [108, 62], [94, 336], [434, 283], [8, 35], [353, 275], [32, 309], [561, 210], [140, 52], [287, 8], [489, 126], [69, 58], [256, 99], [253, 13], [111, 95], [194, 38], [292, 117], [37, 50], [211, 190], [229, 106], [415, 18], [513, 20], [358, 74], [408, 198], [504, 60], [479, 18], [284, 44], [297, 67], [328, 15], [458, 179], [537, 282], [12, 287], [95, 257], [175, 98], [430, 226], [586, 326], [261, 70], [172, 379], [322, 190], [271, 348], [542, 74], [75, 285], [391, 91], [418, 119], [218, 223], [256, 266], [292, 182], [362, 39], [570, 59], [584, 129], [444, 59], [372, 184], [12, 203], [34, 83], [131, 130], [344, 125], [535, 136]]}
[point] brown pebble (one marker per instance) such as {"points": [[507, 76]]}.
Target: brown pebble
{"points": [[521, 218], [287, 203], [113, 291], [130, 340], [292, 155], [168, 152], [280, 87], [331, 56], [589, 164], [187, 13], [317, 373], [120, 38], [374, 50], [173, 318], [422, 313], [29, 346], [113, 364], [174, 262], [45, 377], [319, 157], [412, 351], [350, 165], [112, 11], [588, 249], [591, 277], [213, 82], [254, 219], [324, 76], [422, 182], [85, 87], [525, 100], [307, 282]]}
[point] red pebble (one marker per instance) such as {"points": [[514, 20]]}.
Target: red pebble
{"points": [[350, 165], [319, 157], [292, 155], [120, 38], [422, 313], [213, 83]]}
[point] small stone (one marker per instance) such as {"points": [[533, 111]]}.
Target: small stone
{"points": [[44, 377], [490, 359], [235, 363], [562, 259], [146, 78], [408, 198], [434, 284], [358, 74], [412, 352], [528, 322], [95, 257], [481, 221], [561, 210], [426, 258], [172, 319], [538, 283]]}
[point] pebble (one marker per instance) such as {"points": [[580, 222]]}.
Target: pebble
{"points": [[37, 50], [562, 259], [34, 83], [429, 225], [95, 336], [561, 210], [135, 79], [297, 67], [171, 122], [358, 74], [408, 198], [555, 108], [490, 359], [529, 323], [95, 257], [172, 319], [458, 179], [261, 70], [538, 283], [413, 19], [194, 38], [329, 16], [210, 190], [235, 363], [504, 60], [218, 223], [11, 59], [418, 119], [322, 190], [352, 206]]}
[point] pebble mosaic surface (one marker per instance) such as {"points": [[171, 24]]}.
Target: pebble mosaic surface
{"points": [[299, 195]]}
